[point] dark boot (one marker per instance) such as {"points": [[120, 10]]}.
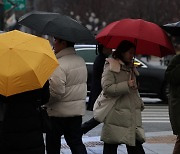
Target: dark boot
{"points": [[88, 125], [177, 146]]}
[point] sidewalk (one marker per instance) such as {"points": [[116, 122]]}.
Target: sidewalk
{"points": [[157, 143]]}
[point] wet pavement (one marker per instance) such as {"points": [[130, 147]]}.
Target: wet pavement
{"points": [[156, 143]]}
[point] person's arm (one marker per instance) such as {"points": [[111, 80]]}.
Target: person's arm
{"points": [[110, 87], [57, 84], [173, 71]]}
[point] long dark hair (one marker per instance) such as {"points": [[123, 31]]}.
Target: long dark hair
{"points": [[123, 47]]}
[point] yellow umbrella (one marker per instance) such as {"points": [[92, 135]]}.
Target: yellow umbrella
{"points": [[26, 62]]}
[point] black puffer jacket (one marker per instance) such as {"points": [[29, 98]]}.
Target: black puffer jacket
{"points": [[96, 88], [21, 128]]}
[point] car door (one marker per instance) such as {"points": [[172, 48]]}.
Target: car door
{"points": [[150, 79], [89, 55]]}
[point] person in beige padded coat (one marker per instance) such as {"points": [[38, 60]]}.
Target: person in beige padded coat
{"points": [[67, 105], [123, 123]]}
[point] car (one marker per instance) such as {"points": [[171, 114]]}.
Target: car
{"points": [[151, 80]]}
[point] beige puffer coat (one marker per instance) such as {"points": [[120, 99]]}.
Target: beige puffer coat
{"points": [[68, 88], [123, 124]]}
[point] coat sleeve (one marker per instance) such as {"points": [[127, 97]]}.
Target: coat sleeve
{"points": [[110, 87], [173, 71], [57, 84]]}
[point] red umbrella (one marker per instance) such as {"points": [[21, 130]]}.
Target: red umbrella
{"points": [[148, 37]]}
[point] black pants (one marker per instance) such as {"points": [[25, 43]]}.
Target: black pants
{"points": [[88, 125], [112, 148], [0, 134], [70, 127]]}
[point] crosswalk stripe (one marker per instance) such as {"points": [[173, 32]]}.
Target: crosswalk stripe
{"points": [[156, 118], [152, 121], [155, 115], [156, 112]]}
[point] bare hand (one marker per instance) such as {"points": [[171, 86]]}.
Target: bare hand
{"points": [[132, 84]]}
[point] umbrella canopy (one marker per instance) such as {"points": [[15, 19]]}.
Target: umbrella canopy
{"points": [[172, 28], [148, 37], [26, 62], [57, 25]]}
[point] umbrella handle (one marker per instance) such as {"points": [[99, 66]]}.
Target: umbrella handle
{"points": [[135, 43], [132, 77], [131, 74]]}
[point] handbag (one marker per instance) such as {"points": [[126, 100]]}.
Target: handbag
{"points": [[46, 125], [102, 106]]}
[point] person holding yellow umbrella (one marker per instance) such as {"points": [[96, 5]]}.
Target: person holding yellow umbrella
{"points": [[68, 88], [26, 62]]}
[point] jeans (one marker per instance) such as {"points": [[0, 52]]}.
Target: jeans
{"points": [[70, 127]]}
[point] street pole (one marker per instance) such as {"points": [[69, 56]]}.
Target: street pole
{"points": [[1, 15]]}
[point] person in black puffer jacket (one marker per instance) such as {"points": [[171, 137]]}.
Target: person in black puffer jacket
{"points": [[98, 68], [21, 131]]}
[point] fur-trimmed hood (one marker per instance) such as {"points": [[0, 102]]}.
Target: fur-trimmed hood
{"points": [[117, 64]]}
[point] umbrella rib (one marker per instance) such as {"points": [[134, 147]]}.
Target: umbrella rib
{"points": [[8, 78], [150, 36], [34, 52], [28, 66], [28, 49], [43, 30], [109, 40], [27, 62], [27, 40]]}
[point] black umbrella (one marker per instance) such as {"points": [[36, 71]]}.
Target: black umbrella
{"points": [[172, 28], [57, 25]]}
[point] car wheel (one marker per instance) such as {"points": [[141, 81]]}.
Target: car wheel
{"points": [[165, 92]]}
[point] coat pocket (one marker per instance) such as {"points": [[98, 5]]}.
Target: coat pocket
{"points": [[121, 118]]}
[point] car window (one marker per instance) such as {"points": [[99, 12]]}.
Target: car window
{"points": [[88, 54], [139, 63]]}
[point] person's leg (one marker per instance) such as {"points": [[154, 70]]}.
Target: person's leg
{"points": [[177, 146], [138, 149], [110, 148], [1, 145], [53, 138], [73, 135], [88, 125]]}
